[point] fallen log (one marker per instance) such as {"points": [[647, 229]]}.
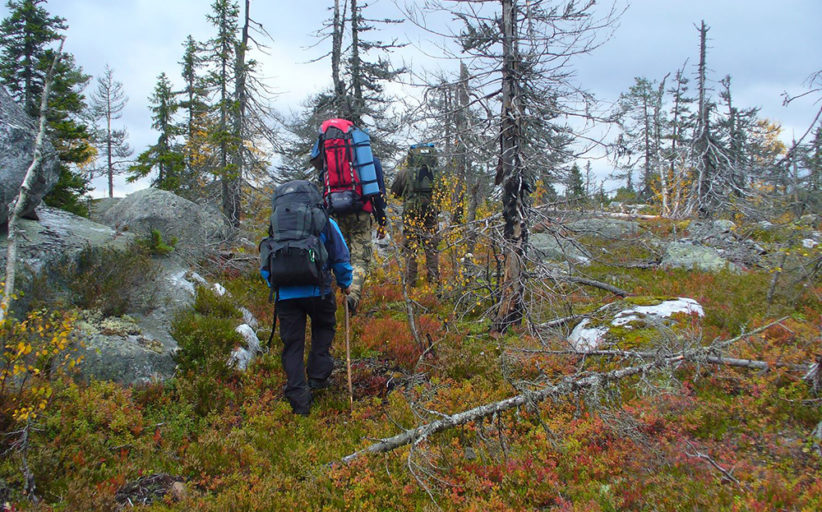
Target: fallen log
{"points": [[566, 386]]}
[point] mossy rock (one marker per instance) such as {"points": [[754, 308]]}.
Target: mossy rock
{"points": [[634, 323]]}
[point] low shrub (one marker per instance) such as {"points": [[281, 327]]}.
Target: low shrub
{"points": [[107, 279]]}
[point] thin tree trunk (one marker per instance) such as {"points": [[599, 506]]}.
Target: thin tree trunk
{"points": [[511, 176], [646, 176], [336, 56], [703, 137], [356, 74], [16, 207], [461, 121], [241, 95], [663, 179], [109, 163]]}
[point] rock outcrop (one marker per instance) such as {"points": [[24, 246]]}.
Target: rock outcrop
{"points": [[196, 228], [17, 134], [633, 323], [131, 349], [690, 256], [56, 236]]}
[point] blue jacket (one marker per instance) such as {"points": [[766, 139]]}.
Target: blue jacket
{"points": [[338, 261]]}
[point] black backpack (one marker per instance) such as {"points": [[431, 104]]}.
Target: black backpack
{"points": [[293, 253]]}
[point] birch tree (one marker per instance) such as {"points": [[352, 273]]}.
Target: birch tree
{"points": [[26, 37], [16, 207]]}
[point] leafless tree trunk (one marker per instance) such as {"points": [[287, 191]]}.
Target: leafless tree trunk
{"points": [[510, 175], [461, 150], [678, 176], [566, 386], [356, 75], [660, 164], [336, 53], [571, 384], [232, 193], [702, 140], [16, 206]]}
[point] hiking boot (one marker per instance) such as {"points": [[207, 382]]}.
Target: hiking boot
{"points": [[303, 410], [315, 384]]}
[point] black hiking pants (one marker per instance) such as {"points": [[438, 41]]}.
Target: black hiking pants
{"points": [[292, 314]]}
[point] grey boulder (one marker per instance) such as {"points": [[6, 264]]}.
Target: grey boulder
{"points": [[197, 229], [17, 134]]}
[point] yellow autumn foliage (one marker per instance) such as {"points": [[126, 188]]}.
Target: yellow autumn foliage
{"points": [[32, 351]]}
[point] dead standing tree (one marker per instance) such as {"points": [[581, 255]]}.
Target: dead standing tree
{"points": [[511, 176], [519, 54]]}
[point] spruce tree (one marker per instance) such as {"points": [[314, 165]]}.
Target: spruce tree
{"points": [[575, 187], [194, 104], [220, 55], [165, 156], [25, 39]]}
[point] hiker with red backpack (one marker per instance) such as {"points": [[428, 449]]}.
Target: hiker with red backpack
{"points": [[354, 191], [304, 246]]}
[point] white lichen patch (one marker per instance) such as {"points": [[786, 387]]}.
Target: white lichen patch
{"points": [[119, 326], [585, 338], [663, 310]]}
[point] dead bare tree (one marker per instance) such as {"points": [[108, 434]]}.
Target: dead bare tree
{"points": [[520, 53]]}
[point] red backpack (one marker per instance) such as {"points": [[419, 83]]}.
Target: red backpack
{"points": [[342, 183]]}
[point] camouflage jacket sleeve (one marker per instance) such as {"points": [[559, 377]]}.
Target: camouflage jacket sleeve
{"points": [[398, 185]]}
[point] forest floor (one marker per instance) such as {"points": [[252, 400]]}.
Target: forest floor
{"points": [[689, 435]]}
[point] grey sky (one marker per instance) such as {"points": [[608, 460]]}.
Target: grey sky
{"points": [[766, 46]]}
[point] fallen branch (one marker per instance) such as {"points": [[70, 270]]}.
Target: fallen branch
{"points": [[568, 385], [704, 456], [718, 360], [594, 283], [559, 322]]}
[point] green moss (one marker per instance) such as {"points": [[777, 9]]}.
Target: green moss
{"points": [[629, 338], [645, 300]]}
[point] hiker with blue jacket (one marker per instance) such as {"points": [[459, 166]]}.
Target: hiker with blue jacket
{"points": [[304, 247]]}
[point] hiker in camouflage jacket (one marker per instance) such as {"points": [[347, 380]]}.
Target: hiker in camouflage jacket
{"points": [[419, 215], [357, 229]]}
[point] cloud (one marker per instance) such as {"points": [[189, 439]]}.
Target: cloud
{"points": [[766, 47]]}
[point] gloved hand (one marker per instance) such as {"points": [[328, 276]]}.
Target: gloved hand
{"points": [[380, 232], [266, 274]]}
